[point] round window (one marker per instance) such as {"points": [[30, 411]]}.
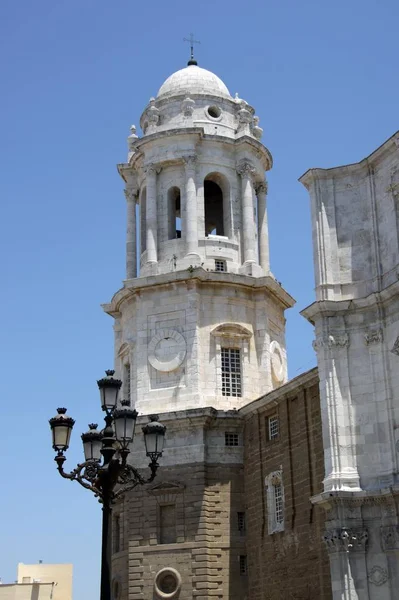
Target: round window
{"points": [[167, 583], [214, 112]]}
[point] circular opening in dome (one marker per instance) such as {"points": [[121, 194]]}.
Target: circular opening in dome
{"points": [[214, 112]]}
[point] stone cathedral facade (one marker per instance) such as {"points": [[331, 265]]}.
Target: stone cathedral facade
{"points": [[269, 489]]}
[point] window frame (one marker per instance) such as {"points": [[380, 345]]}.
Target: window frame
{"points": [[231, 371], [275, 503], [232, 335], [273, 437], [235, 437]]}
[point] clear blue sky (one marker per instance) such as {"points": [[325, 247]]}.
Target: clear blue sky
{"points": [[323, 77]]}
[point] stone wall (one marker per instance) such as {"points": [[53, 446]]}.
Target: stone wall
{"points": [[292, 562]]}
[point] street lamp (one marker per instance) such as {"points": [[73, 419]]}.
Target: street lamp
{"points": [[114, 476]]}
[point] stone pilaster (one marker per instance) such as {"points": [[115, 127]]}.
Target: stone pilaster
{"points": [[151, 214], [191, 220], [246, 171], [263, 230], [131, 254]]}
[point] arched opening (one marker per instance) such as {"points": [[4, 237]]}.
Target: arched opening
{"points": [[215, 196], [174, 214]]}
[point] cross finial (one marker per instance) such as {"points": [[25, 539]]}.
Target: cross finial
{"points": [[191, 41]]}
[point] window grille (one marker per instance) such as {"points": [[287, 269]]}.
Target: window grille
{"points": [[231, 372], [126, 382], [273, 428], [220, 265], [243, 565], [278, 503], [231, 439], [241, 522]]}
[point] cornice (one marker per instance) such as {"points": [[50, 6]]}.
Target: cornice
{"points": [[199, 275], [304, 380], [389, 146], [328, 308]]}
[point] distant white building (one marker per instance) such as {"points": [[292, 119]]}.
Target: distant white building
{"points": [[40, 582]]}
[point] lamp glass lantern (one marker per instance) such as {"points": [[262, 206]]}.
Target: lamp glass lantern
{"points": [[61, 429], [154, 437], [92, 443], [125, 423], [109, 391]]}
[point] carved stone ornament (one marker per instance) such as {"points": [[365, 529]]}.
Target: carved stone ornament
{"points": [[153, 113], [153, 169], [187, 107], [261, 187], [167, 350], [245, 169], [378, 575], [373, 336], [346, 540], [395, 349], [131, 194], [257, 131], [190, 161], [333, 340], [390, 537]]}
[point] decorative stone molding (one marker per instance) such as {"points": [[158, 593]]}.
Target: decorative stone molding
{"points": [[187, 107], [132, 138], [346, 540], [261, 187], [167, 350], [245, 169], [333, 340], [277, 362], [373, 336], [390, 537], [167, 584], [378, 575], [395, 349], [271, 481]]}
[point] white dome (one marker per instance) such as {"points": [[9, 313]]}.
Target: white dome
{"points": [[193, 80]]}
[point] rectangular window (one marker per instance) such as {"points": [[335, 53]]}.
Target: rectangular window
{"points": [[220, 265], [278, 503], [126, 382], [273, 428], [231, 439], [167, 524], [243, 565], [241, 522], [231, 372], [117, 533]]}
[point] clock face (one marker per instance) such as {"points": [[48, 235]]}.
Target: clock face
{"points": [[167, 350]]}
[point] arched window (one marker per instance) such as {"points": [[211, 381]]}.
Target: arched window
{"points": [[214, 220], [174, 216]]}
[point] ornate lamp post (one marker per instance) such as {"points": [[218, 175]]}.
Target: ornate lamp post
{"points": [[105, 470]]}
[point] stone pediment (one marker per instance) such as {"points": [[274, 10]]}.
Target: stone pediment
{"points": [[166, 487], [231, 330]]}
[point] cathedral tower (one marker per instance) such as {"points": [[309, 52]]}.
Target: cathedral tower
{"points": [[199, 333], [202, 322]]}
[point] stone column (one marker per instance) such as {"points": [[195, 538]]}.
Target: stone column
{"points": [[246, 170], [191, 220], [347, 553], [151, 214], [131, 235], [263, 231]]}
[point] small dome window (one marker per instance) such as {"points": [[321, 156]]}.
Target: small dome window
{"points": [[214, 112]]}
